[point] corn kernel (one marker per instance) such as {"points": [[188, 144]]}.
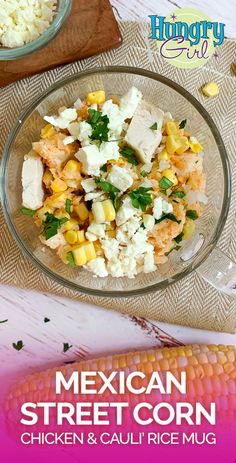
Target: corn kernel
{"points": [[103, 211], [82, 211], [97, 97], [47, 178], [171, 128], [71, 237], [173, 142], [61, 213], [80, 236], [184, 145], [210, 89], [188, 229], [71, 224], [56, 201], [194, 145], [163, 156], [47, 132], [169, 174], [72, 169], [58, 185], [111, 233], [83, 253]]}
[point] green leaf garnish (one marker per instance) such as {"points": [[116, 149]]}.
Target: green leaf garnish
{"points": [[18, 345], [141, 198], [179, 238], [178, 194], [66, 346], [52, 224], [46, 320], [99, 124], [154, 126], [168, 217], [4, 321], [28, 212], [165, 183], [68, 206], [144, 173], [129, 154], [106, 186], [104, 168], [192, 214], [183, 124], [70, 259]]}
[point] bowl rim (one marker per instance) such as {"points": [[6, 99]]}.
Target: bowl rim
{"points": [[43, 40], [225, 165]]}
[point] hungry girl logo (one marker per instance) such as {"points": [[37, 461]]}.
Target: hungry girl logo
{"points": [[187, 38]]}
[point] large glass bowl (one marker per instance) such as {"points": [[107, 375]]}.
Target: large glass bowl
{"points": [[62, 12], [170, 97]]}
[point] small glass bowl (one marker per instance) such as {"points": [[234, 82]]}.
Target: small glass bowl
{"points": [[62, 12]]}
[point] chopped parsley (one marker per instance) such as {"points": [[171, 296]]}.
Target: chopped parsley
{"points": [[66, 346], [144, 173], [141, 198], [110, 189], [70, 259], [169, 217], [183, 124], [104, 168], [46, 320], [28, 212], [52, 224], [178, 194], [179, 238], [129, 154], [18, 345], [68, 206], [165, 183], [99, 124], [154, 126], [192, 214]]}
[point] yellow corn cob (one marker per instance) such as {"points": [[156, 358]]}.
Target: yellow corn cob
{"points": [[210, 377], [103, 211], [97, 97]]}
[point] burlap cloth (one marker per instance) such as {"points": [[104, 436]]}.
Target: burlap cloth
{"points": [[192, 301]]}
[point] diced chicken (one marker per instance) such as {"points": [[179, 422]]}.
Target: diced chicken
{"points": [[140, 136], [32, 181], [53, 151]]}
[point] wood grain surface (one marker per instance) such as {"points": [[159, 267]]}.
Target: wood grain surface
{"points": [[91, 29]]}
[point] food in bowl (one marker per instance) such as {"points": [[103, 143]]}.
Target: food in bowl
{"points": [[23, 21], [114, 185]]}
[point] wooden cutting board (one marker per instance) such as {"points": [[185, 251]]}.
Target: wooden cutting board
{"points": [[91, 29]]}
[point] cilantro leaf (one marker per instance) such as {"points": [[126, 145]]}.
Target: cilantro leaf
{"points": [[46, 320], [4, 321], [179, 238], [28, 212], [141, 198], [129, 154], [99, 124], [18, 345], [178, 194], [68, 206], [106, 186], [52, 224], [168, 217], [70, 259], [154, 126], [183, 124], [66, 346], [144, 173], [165, 183], [104, 168], [192, 214]]}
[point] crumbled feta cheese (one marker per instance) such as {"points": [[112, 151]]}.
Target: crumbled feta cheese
{"points": [[129, 102], [116, 118], [125, 212], [147, 167], [95, 231], [32, 181], [111, 248], [161, 206], [163, 165], [120, 178], [149, 265], [68, 140], [110, 150], [148, 221], [64, 119], [98, 267], [85, 132], [91, 159], [93, 195], [55, 241], [89, 185], [25, 20]]}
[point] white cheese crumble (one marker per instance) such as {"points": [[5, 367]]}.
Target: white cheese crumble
{"points": [[120, 178], [98, 267], [161, 206], [22, 21], [64, 119]]}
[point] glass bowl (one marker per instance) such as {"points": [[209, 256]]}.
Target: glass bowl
{"points": [[62, 12], [169, 96]]}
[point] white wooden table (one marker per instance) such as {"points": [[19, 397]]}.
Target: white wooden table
{"points": [[92, 331]]}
